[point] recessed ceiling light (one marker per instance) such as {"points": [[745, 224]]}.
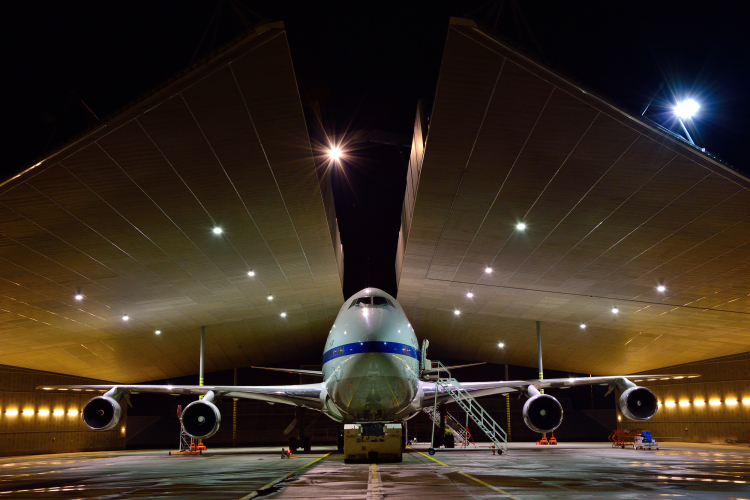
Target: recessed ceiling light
{"points": [[661, 288], [79, 296], [158, 332], [470, 295], [125, 317], [501, 345], [217, 230], [456, 312], [270, 297], [488, 270], [520, 226], [283, 315], [251, 273], [583, 326], [615, 310]]}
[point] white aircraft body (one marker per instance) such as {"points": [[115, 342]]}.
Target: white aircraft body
{"points": [[373, 372]]}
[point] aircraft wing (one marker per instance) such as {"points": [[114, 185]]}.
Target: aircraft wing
{"points": [[479, 389], [307, 395]]}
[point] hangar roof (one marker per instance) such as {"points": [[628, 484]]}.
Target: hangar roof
{"points": [[126, 214], [613, 205]]}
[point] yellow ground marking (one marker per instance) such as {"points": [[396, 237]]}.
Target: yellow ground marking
{"points": [[373, 490], [493, 488], [287, 476]]}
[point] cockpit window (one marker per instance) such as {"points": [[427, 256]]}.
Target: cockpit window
{"points": [[374, 301]]}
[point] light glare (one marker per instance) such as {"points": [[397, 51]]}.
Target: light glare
{"points": [[72, 413], [501, 345], [684, 403], [79, 296], [615, 310], [43, 413], [251, 273], [731, 401], [714, 402], [125, 317], [334, 153], [661, 288], [456, 312], [58, 413], [521, 226], [470, 295], [11, 413], [488, 270], [699, 402], [28, 413], [669, 404], [158, 332], [746, 401], [217, 230], [283, 315], [583, 326], [270, 297], [687, 108]]}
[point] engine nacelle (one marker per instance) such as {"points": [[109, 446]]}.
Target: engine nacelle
{"points": [[102, 413], [201, 419], [638, 403], [542, 413]]}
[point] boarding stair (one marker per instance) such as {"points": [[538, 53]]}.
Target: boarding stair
{"points": [[461, 436], [467, 402]]}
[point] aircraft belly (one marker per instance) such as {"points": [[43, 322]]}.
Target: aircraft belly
{"points": [[374, 386]]}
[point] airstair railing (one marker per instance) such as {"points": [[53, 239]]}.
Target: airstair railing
{"points": [[469, 404], [457, 428]]}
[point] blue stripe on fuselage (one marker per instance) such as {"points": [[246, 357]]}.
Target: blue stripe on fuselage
{"points": [[372, 346]]}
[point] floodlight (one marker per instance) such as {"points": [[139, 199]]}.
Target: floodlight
{"points": [[615, 310], [158, 332], [456, 312], [661, 288], [270, 297], [334, 153], [283, 315], [520, 226], [686, 109], [79, 296], [217, 230], [488, 270], [251, 273], [583, 326], [470, 295], [125, 317], [501, 345]]}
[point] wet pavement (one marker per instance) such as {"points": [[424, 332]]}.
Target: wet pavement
{"points": [[526, 472]]}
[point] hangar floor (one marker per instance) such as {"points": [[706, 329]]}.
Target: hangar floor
{"points": [[527, 472]]}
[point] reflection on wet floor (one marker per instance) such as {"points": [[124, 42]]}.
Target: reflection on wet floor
{"points": [[527, 472]]}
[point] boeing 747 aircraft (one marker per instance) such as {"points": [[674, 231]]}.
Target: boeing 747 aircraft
{"points": [[374, 374]]}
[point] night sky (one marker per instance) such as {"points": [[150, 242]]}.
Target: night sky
{"points": [[69, 65]]}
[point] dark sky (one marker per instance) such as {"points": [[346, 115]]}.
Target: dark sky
{"points": [[368, 64]]}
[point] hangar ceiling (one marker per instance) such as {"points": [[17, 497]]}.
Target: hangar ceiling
{"points": [[127, 214], [613, 207]]}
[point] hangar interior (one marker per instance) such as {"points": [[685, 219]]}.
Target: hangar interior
{"points": [[206, 203]]}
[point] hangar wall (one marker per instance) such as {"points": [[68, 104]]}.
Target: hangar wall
{"points": [[42, 430], [724, 390]]}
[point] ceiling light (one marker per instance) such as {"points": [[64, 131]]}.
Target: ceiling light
{"points": [[270, 297], [79, 296], [730, 401], [661, 288], [714, 402], [334, 153], [217, 230], [687, 108], [72, 413], [699, 402], [520, 226], [583, 326], [28, 413], [470, 295], [125, 317], [283, 315], [456, 312], [684, 403], [251, 273], [501, 345], [11, 413], [746, 401], [43, 413], [488, 270], [615, 310], [669, 404], [158, 332], [58, 413]]}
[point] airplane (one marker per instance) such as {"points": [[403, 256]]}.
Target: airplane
{"points": [[374, 374]]}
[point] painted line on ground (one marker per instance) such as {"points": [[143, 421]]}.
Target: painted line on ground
{"points": [[373, 484], [256, 493], [483, 483]]}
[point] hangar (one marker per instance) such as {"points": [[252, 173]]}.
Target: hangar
{"points": [[205, 204]]}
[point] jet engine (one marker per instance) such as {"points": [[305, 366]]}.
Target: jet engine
{"points": [[201, 418], [542, 412], [638, 403], [102, 413]]}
